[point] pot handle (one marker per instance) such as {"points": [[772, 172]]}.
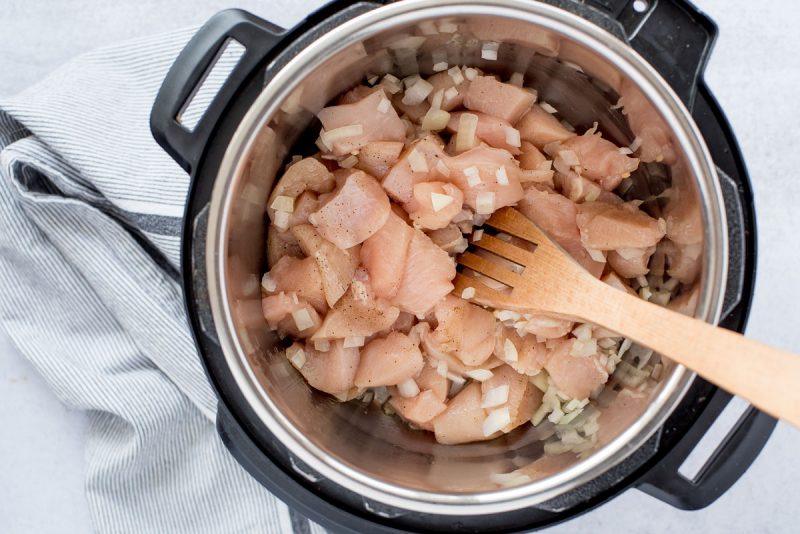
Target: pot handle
{"points": [[672, 35], [194, 63]]}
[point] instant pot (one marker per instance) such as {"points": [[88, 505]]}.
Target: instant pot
{"points": [[347, 466]]}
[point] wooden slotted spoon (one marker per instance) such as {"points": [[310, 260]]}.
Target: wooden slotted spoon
{"points": [[553, 283]]}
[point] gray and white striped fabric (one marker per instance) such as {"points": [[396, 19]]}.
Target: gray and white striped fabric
{"points": [[90, 212]]}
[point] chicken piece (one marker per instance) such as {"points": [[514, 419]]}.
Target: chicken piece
{"points": [[684, 261], [426, 278], [531, 158], [498, 99], [487, 174], [523, 397], [443, 81], [290, 315], [431, 380], [450, 239], [388, 361], [384, 255], [377, 121], [357, 93], [434, 205], [631, 262], [399, 182], [600, 160], [280, 244], [332, 371], [336, 266], [615, 281], [647, 124], [419, 410], [575, 187], [491, 130], [377, 157], [462, 421], [308, 174], [357, 314], [354, 212], [576, 377], [682, 212], [610, 227], [540, 128], [435, 353], [686, 303], [464, 330], [304, 205], [556, 215], [301, 276], [544, 327], [531, 354]]}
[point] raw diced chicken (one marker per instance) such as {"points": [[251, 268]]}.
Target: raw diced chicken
{"points": [[647, 124], [556, 215], [576, 188], [332, 371], [399, 182], [600, 160], [631, 262], [357, 314], [304, 205], [280, 244], [336, 266], [434, 204], [389, 361], [488, 175], [686, 303], [501, 100], [575, 376], [357, 93], [531, 158], [289, 314], [609, 227], [300, 276], [365, 116], [465, 330], [523, 397], [493, 131], [435, 353], [430, 379], [682, 212], [377, 157], [442, 81], [384, 255], [357, 210], [462, 421], [308, 174], [426, 278], [541, 128], [418, 410], [548, 327], [450, 239], [684, 261]]}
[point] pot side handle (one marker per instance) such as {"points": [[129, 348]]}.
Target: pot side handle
{"points": [[192, 66], [674, 36]]}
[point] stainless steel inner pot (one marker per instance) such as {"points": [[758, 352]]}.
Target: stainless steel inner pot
{"points": [[360, 448]]}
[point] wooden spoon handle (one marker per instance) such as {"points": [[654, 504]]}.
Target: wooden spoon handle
{"points": [[767, 377]]}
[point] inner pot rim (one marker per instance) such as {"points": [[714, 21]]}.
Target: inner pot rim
{"points": [[402, 14]]}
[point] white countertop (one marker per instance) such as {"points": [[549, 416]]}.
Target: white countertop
{"points": [[754, 72]]}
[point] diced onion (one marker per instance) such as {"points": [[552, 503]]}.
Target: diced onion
{"points": [[283, 203], [642, 280], [441, 167], [509, 479], [281, 220], [450, 94], [407, 41], [470, 73], [416, 161], [489, 50], [539, 176], [513, 137], [297, 356], [440, 66], [440, 201], [510, 351], [502, 176], [468, 293], [320, 142], [428, 27], [349, 162], [540, 381], [583, 349], [436, 101], [435, 120], [548, 108], [295, 299], [441, 369], [495, 397], [477, 235], [484, 203], [302, 319], [448, 27], [473, 176], [408, 388], [481, 375], [384, 105], [625, 151], [455, 378], [596, 255], [506, 315], [465, 135], [456, 76], [583, 332], [268, 283], [569, 157], [372, 78], [392, 84], [572, 65], [636, 144], [417, 93], [517, 79], [496, 421], [344, 132], [623, 348], [353, 342], [322, 345]]}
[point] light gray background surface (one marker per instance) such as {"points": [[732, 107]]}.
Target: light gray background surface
{"points": [[754, 72]]}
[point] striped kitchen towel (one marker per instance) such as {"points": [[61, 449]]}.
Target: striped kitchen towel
{"points": [[90, 213]]}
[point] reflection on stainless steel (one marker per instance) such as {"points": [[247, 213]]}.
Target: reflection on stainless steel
{"points": [[356, 445]]}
